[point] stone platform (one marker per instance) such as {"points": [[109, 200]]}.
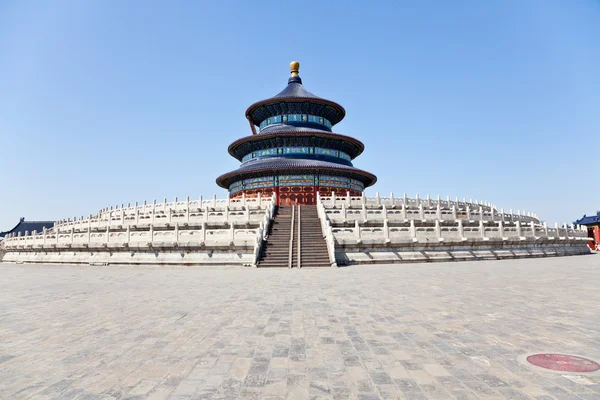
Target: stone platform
{"points": [[404, 331]]}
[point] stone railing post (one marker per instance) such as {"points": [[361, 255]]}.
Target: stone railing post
{"points": [[519, 229], [204, 225], [377, 199], [481, 228], [403, 211], [501, 229], [413, 230], [386, 230], [438, 229], [454, 213], [461, 229], [421, 212], [187, 209], [153, 211], [468, 212]]}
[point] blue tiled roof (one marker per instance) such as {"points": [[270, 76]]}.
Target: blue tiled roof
{"points": [[278, 135], [284, 128], [288, 165], [294, 98], [28, 226], [589, 220], [295, 89]]}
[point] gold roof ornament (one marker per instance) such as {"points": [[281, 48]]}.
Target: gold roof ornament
{"points": [[294, 68]]}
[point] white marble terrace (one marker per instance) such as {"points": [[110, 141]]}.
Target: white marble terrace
{"points": [[227, 225], [384, 220], [231, 231]]}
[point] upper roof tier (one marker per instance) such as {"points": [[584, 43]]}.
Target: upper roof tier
{"points": [[296, 106]]}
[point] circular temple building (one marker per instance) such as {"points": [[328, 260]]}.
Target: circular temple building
{"points": [[294, 154]]}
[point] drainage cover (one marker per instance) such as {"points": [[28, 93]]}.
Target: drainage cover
{"points": [[563, 362]]}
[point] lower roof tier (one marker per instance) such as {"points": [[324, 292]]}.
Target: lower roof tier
{"points": [[281, 165], [304, 137]]}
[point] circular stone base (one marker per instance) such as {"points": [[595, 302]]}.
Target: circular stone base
{"points": [[563, 363]]}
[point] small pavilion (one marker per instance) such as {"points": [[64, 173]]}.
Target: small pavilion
{"points": [[592, 223], [24, 227]]}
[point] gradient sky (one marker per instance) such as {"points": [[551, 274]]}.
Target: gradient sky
{"points": [[110, 102]]}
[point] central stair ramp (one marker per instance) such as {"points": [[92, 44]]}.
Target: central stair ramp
{"points": [[295, 239]]}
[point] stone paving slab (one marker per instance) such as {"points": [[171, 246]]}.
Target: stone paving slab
{"points": [[409, 331]]}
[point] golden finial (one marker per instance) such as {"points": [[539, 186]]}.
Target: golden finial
{"points": [[294, 67]]}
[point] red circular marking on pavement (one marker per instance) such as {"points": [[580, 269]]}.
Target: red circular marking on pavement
{"points": [[563, 362]]}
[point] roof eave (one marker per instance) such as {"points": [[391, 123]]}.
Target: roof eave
{"points": [[222, 180], [274, 100], [253, 138]]}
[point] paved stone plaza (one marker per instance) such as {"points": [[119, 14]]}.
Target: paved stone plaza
{"points": [[416, 331]]}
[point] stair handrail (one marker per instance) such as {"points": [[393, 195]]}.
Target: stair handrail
{"points": [[263, 233], [270, 214], [291, 240], [327, 231], [299, 236]]}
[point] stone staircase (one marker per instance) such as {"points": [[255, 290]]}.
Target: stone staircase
{"points": [[314, 248], [302, 224], [275, 252]]}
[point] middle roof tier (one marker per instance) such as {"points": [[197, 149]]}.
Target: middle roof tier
{"points": [[303, 137]]}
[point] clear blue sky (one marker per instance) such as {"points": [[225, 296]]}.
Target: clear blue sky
{"points": [[110, 102]]}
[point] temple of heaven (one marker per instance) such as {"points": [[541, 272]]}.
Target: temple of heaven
{"points": [[294, 154], [295, 201]]}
